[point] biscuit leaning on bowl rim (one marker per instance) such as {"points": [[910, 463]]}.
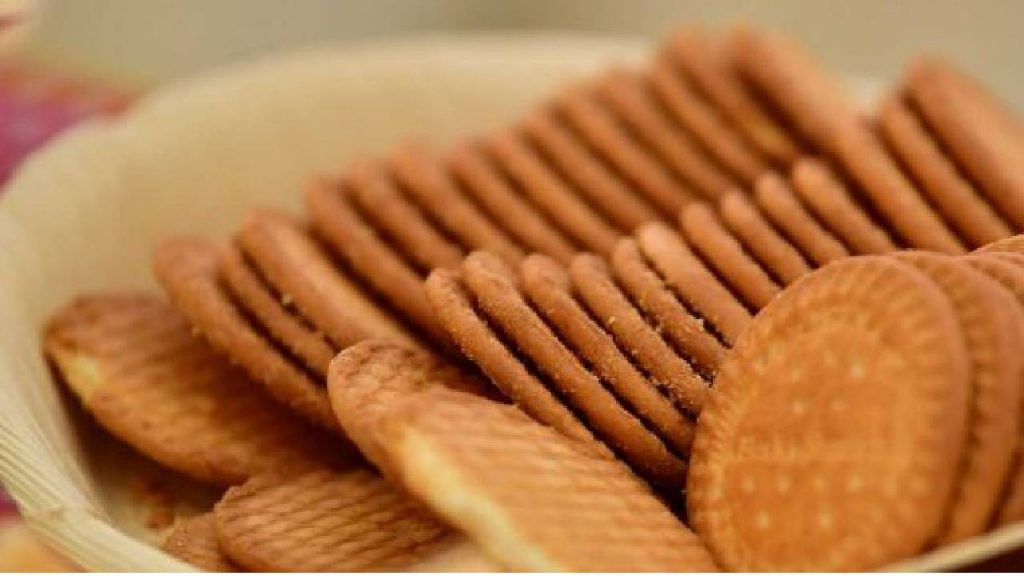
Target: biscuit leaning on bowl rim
{"points": [[532, 498], [321, 521], [993, 327], [795, 464], [187, 270], [194, 540], [137, 368]]}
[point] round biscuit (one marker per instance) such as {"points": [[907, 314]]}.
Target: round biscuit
{"points": [[775, 254], [777, 201]]}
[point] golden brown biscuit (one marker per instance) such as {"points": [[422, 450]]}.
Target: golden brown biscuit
{"points": [[778, 202], [993, 328], [500, 302], [322, 521], [291, 261], [366, 379], [195, 541], [712, 72], [598, 183], [546, 284], [691, 281], [357, 244], [187, 270], [135, 365], [775, 254], [594, 286], [549, 193], [1009, 272], [909, 140], [686, 333], [456, 310], [980, 133], [1014, 244], [531, 498], [837, 426], [375, 194], [265, 307], [424, 177], [624, 92], [823, 193], [489, 188], [599, 130], [686, 108], [722, 252], [812, 101]]}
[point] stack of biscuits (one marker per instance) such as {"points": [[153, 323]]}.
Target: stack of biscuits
{"points": [[599, 339]]}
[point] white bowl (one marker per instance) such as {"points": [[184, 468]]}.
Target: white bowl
{"points": [[84, 214]]}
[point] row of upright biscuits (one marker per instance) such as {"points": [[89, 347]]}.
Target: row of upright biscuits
{"points": [[598, 260]]}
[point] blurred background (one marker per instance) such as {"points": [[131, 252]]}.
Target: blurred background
{"points": [[65, 60]]}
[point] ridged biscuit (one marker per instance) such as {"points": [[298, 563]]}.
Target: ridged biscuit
{"points": [[195, 541]]}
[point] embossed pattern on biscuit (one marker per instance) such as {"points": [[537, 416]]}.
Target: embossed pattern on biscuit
{"points": [[194, 540], [366, 379], [531, 498], [838, 425], [137, 368], [322, 521], [187, 270], [993, 329]]}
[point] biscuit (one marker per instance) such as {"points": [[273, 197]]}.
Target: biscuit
{"points": [[795, 466], [531, 498], [606, 137], [187, 270], [355, 242], [264, 307], [715, 76], [481, 345], [375, 194], [367, 378], [549, 193], [322, 521], [777, 201], [601, 186], [721, 251], [909, 140], [687, 109], [778, 257], [501, 303], [546, 284], [993, 328], [980, 133], [1014, 244], [824, 194], [625, 94], [595, 288], [481, 180], [133, 362], [691, 281], [687, 334], [195, 541], [824, 115], [425, 179], [298, 269], [1011, 276]]}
